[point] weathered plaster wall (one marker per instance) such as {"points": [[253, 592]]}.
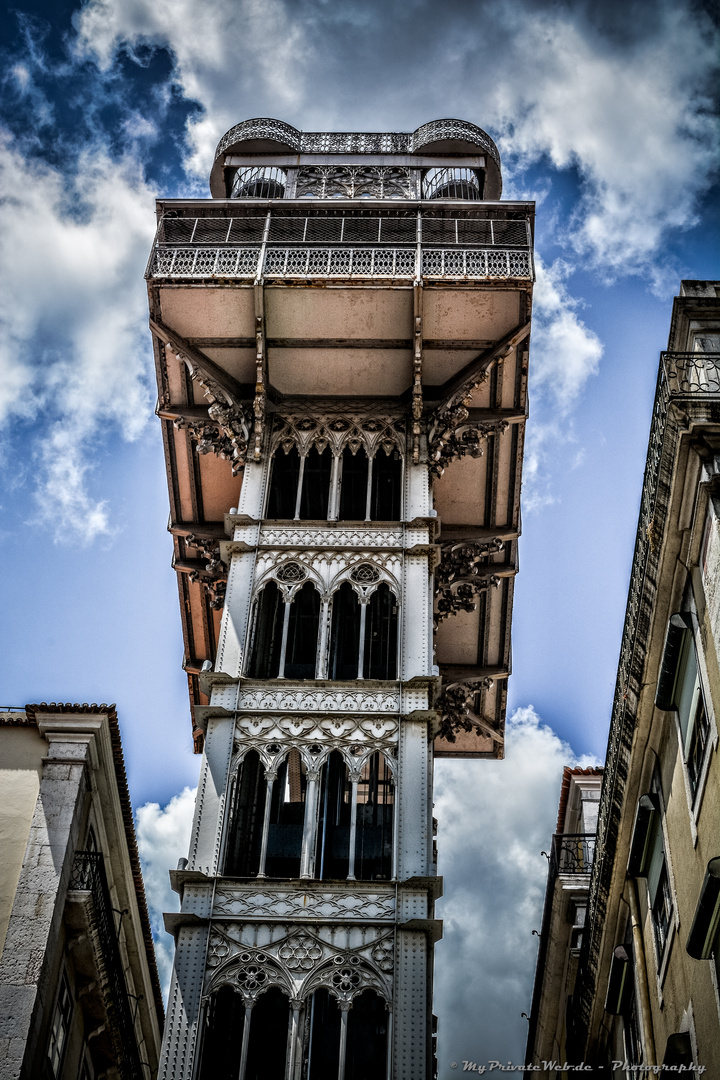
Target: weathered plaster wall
{"points": [[22, 750]]}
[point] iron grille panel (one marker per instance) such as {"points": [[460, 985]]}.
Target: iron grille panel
{"points": [[88, 875]]}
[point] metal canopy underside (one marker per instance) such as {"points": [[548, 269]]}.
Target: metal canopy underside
{"points": [[419, 337]]}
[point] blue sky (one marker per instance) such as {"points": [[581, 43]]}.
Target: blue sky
{"points": [[604, 115]]}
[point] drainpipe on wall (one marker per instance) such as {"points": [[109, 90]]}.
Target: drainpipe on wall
{"points": [[641, 970]]}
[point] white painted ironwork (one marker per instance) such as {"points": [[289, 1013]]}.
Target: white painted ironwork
{"points": [[336, 262]]}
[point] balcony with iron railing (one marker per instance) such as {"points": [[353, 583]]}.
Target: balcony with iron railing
{"points": [[298, 243], [572, 853], [88, 876]]}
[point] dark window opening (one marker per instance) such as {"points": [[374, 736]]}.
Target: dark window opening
{"points": [[333, 845], [222, 1036], [301, 650], [699, 740], [267, 636], [381, 635], [386, 487], [374, 836], [662, 910], [245, 834], [287, 818], [267, 1045], [60, 1027], [345, 634], [284, 484], [353, 486], [316, 486], [366, 1038], [323, 1039]]}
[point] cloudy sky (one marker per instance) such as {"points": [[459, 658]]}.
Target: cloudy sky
{"points": [[603, 114]]}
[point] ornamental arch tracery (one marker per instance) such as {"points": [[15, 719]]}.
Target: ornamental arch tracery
{"points": [[315, 812], [307, 624]]}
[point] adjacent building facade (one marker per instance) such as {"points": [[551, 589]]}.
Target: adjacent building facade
{"points": [[647, 990], [79, 991], [341, 337], [570, 863]]}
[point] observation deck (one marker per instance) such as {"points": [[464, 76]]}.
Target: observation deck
{"points": [[370, 273]]}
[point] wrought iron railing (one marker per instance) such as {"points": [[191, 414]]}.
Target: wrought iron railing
{"points": [[88, 875], [357, 142], [573, 853], [691, 372], [345, 245], [685, 379]]}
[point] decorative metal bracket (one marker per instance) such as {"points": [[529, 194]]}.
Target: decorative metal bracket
{"points": [[462, 574], [451, 433], [214, 577], [456, 710], [226, 432]]}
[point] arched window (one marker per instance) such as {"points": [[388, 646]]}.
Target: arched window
{"points": [[301, 646], [358, 489], [284, 479], [315, 493], [354, 486], [222, 1036], [344, 634], [386, 487], [380, 652], [285, 633], [333, 842], [267, 1044], [374, 821], [287, 818], [267, 633], [323, 1043], [242, 854], [366, 1054]]}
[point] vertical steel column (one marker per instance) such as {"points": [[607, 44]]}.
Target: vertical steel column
{"points": [[245, 1041], [269, 783], [310, 827], [353, 830], [344, 1010]]}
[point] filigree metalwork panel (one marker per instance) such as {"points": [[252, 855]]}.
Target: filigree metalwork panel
{"points": [[291, 698], [338, 431], [350, 182], [318, 536], [340, 903], [339, 262]]}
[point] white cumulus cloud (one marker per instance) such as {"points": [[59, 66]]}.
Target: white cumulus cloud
{"points": [[495, 817], [74, 348], [163, 836]]}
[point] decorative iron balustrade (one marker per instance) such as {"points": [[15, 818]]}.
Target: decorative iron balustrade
{"points": [[573, 853], [356, 142], [377, 245], [88, 875], [346, 262], [692, 372], [683, 378]]}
